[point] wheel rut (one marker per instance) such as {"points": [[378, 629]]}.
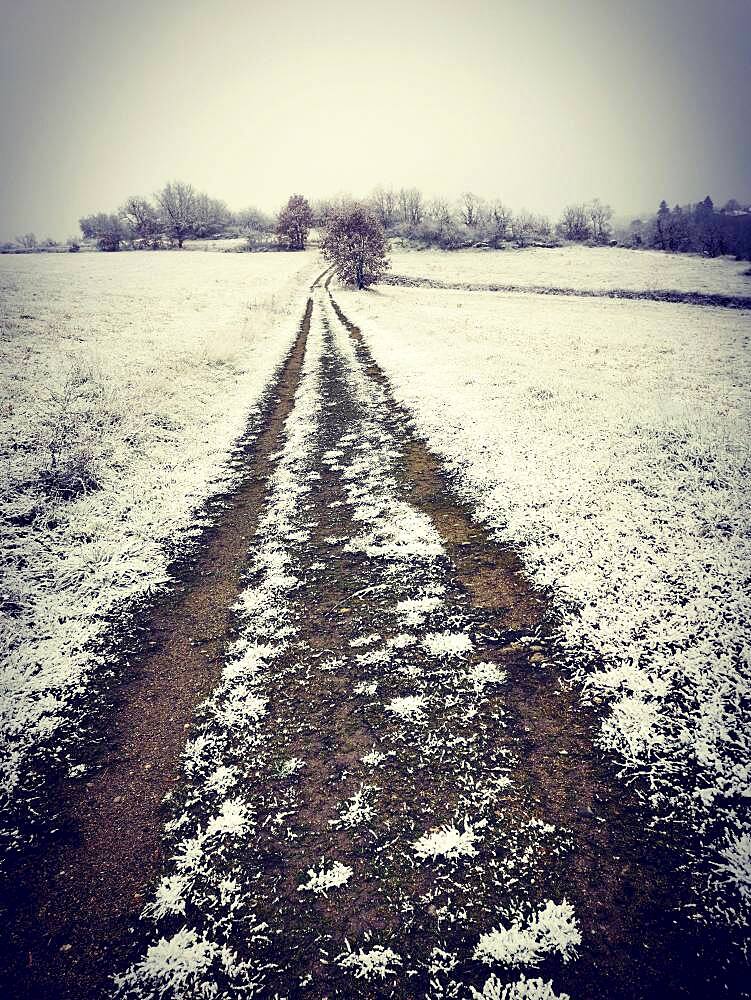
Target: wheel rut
{"points": [[68, 910], [387, 675]]}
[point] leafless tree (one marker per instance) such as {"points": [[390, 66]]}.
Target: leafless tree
{"points": [[600, 216], [140, 217], [355, 244], [501, 216], [574, 224], [253, 220], [543, 227], [28, 240], [211, 216], [523, 227], [470, 207], [411, 209], [384, 202], [439, 210], [106, 228], [177, 204]]}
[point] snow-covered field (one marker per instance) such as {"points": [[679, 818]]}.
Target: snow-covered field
{"points": [[610, 441], [232, 243], [126, 379], [599, 269]]}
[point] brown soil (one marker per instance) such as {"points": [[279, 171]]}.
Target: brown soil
{"points": [[69, 912]]}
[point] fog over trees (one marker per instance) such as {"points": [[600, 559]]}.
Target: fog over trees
{"points": [[178, 213]]}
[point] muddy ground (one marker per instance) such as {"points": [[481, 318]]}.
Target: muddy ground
{"points": [[72, 911]]}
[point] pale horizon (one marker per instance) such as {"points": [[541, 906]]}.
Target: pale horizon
{"points": [[540, 106]]}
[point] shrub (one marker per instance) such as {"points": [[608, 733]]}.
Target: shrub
{"points": [[295, 222], [74, 435], [356, 246]]}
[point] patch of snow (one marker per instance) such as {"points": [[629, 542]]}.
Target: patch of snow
{"points": [[409, 706], [376, 962], [447, 644], [330, 875], [522, 989], [448, 842], [553, 929]]}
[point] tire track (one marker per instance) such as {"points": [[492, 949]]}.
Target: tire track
{"points": [[625, 879], [388, 767], [67, 912]]}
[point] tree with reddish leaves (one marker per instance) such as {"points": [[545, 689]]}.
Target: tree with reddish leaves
{"points": [[294, 223], [355, 244]]}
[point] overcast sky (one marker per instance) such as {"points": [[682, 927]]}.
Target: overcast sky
{"points": [[539, 102]]}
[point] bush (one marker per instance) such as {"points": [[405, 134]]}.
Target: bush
{"points": [[74, 435], [356, 245]]}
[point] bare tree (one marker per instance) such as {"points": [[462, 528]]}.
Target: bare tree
{"points": [[523, 227], [140, 217], [411, 208], [600, 216], [177, 204], [106, 228], [543, 227], [355, 244], [211, 216], [28, 241], [439, 210], [501, 216], [253, 220], [574, 224], [384, 203], [471, 207]]}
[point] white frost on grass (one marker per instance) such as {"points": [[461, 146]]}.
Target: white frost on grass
{"points": [[414, 609], [330, 875], [376, 962], [126, 379], [522, 989], [410, 706], [447, 644], [553, 929], [356, 810], [448, 842], [481, 675], [609, 441], [291, 766], [365, 640], [232, 820], [174, 966], [598, 268], [169, 897]]}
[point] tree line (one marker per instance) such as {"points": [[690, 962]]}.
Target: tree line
{"points": [[699, 228], [179, 212], [476, 221]]}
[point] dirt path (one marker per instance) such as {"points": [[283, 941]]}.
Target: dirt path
{"points": [[388, 767]]}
